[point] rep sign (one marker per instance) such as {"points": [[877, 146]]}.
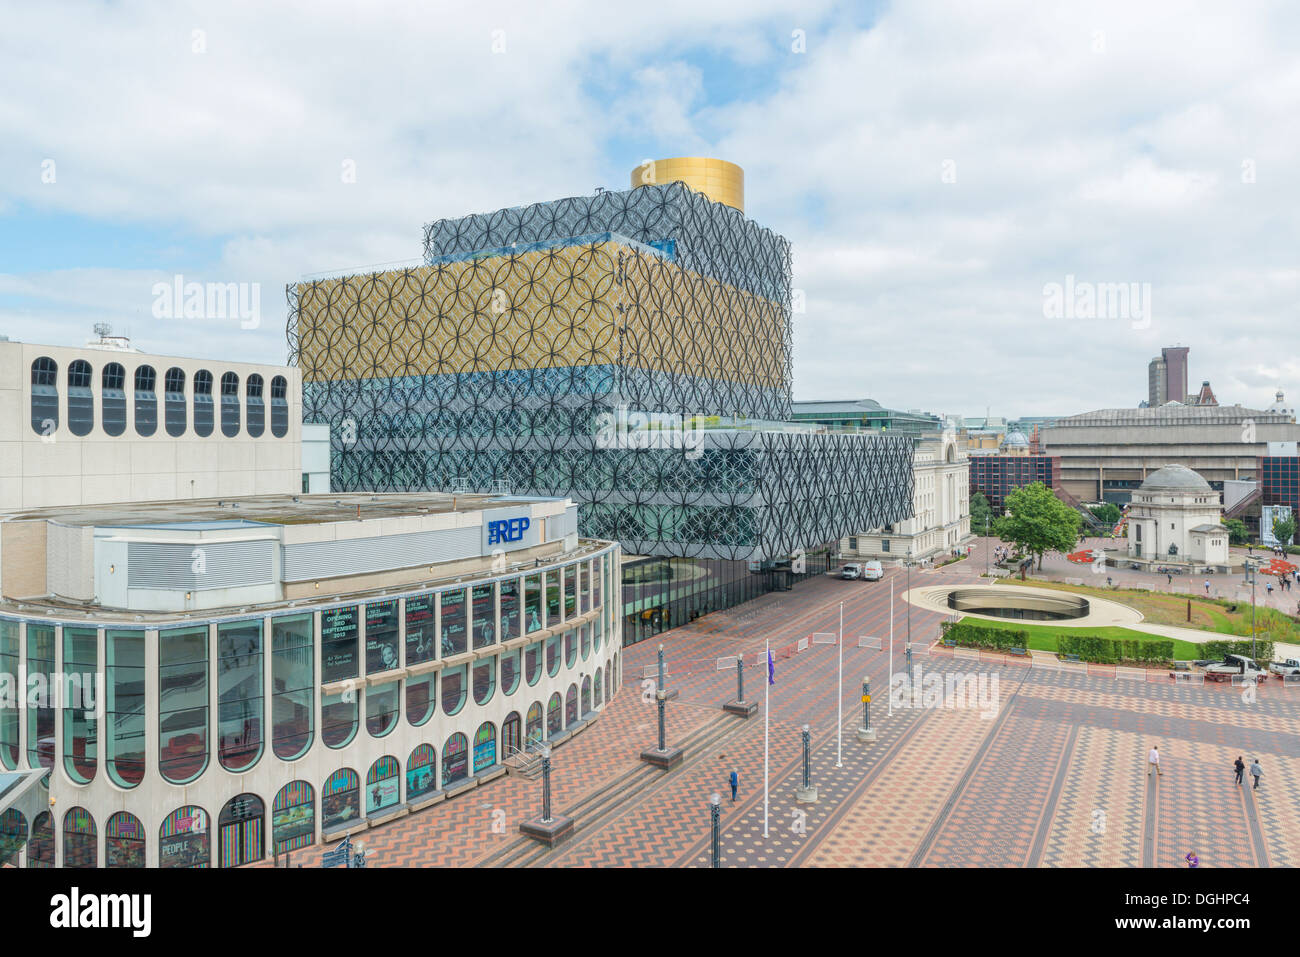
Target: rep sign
{"points": [[507, 530]]}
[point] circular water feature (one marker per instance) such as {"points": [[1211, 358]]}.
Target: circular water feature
{"points": [[1017, 606]]}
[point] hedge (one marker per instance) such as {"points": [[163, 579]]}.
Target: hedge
{"points": [[1217, 649], [1109, 651], [971, 637]]}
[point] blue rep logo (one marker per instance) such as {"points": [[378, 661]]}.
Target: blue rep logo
{"points": [[507, 530]]}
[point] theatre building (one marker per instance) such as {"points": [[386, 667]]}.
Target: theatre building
{"points": [[208, 683]]}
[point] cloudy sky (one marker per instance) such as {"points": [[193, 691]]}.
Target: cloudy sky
{"points": [[939, 168]]}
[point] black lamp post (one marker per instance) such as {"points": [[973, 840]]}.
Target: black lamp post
{"points": [[546, 784], [715, 812]]}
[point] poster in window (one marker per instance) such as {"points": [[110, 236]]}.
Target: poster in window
{"points": [[510, 609], [485, 615], [419, 629], [338, 642], [453, 622], [381, 636]]}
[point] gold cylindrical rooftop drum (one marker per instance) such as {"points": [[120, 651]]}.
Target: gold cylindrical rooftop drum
{"points": [[717, 179]]}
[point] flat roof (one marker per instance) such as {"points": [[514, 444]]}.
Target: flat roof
{"points": [[279, 509]]}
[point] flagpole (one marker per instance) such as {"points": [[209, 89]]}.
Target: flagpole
{"points": [[839, 731], [891, 645], [767, 685]]}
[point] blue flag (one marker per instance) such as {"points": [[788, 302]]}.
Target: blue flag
{"points": [[771, 669]]}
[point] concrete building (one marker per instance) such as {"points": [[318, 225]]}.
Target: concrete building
{"points": [[103, 423], [276, 671], [1174, 518], [1106, 455], [940, 507], [1167, 376]]}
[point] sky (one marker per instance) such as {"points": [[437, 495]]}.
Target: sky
{"points": [[1008, 206]]}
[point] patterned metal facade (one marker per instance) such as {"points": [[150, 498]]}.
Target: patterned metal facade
{"points": [[495, 363]]}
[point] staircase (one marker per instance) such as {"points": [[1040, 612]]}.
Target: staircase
{"points": [[1093, 523], [525, 762], [1240, 508]]}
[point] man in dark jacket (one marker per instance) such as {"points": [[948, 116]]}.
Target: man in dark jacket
{"points": [[735, 783], [1240, 766]]}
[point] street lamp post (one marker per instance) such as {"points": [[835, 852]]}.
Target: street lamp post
{"points": [[660, 699], [909, 605], [546, 784], [988, 546], [1252, 567], [715, 811]]}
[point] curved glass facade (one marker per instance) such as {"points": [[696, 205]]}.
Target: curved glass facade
{"points": [[239, 694], [183, 742]]}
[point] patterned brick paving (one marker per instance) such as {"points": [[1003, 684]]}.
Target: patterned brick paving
{"points": [[1056, 779]]}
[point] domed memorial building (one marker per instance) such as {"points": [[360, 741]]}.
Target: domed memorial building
{"points": [[1175, 518]]}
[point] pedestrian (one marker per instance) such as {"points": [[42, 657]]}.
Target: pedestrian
{"points": [[735, 783], [1153, 759], [1240, 767], [1191, 859], [1207, 586], [1256, 772], [1170, 577], [1269, 586]]}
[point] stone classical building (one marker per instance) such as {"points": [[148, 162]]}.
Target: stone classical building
{"points": [[940, 507], [1175, 518]]}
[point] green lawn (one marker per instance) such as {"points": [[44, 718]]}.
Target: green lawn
{"points": [[1043, 637]]}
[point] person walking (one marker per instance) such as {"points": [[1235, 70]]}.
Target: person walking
{"points": [[1240, 767], [735, 783], [1207, 586], [1153, 759], [1170, 577], [1191, 859], [1256, 772]]}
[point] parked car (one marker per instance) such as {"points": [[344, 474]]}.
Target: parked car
{"points": [[873, 571], [1233, 666], [851, 572], [1287, 666]]}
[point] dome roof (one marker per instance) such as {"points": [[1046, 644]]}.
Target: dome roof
{"points": [[1279, 405], [1176, 476], [1015, 440]]}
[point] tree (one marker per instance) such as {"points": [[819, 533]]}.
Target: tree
{"points": [[980, 511], [1284, 530], [1237, 531], [1107, 512], [1038, 521]]}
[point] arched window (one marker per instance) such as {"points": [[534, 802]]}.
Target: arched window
{"points": [[40, 719], [80, 727], [554, 715], [240, 829], [183, 839], [256, 407], [533, 726], [597, 689], [174, 402], [485, 677], [10, 655], [511, 734], [510, 672], [80, 841], [383, 784], [340, 799], [124, 841], [420, 699], [485, 747], [584, 637], [597, 630], [40, 849], [279, 406], [453, 689], [230, 405], [586, 694], [292, 669], [381, 709], [339, 718], [239, 693], [112, 399], [203, 414], [146, 401], [421, 772], [570, 648], [45, 396], [13, 834], [293, 817], [124, 709], [533, 662], [81, 398], [183, 702], [571, 705], [455, 760], [553, 655]]}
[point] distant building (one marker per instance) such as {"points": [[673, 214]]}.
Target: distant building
{"points": [[1167, 376], [997, 476], [1107, 454]]}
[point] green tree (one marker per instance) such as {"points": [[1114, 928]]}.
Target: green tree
{"points": [[980, 511], [1107, 512], [1038, 521], [1237, 531], [1284, 530]]}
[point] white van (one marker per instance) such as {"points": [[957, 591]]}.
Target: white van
{"points": [[851, 572], [873, 571]]}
